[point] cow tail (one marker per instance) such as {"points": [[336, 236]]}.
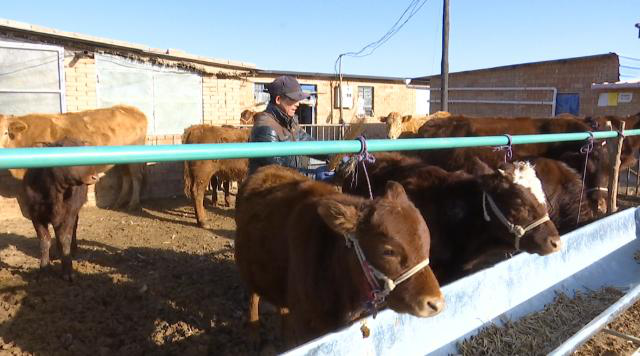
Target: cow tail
{"points": [[188, 180]]}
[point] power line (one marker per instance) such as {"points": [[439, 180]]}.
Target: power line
{"points": [[413, 8], [631, 58], [629, 67]]}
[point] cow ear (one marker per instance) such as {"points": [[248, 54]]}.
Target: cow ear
{"points": [[15, 127], [341, 218], [479, 168], [395, 191], [383, 118]]}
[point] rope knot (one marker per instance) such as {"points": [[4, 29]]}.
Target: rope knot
{"points": [[364, 157], [508, 148], [588, 146]]}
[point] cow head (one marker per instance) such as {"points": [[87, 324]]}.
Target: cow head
{"points": [[515, 192], [394, 239], [596, 174], [246, 117], [10, 129], [394, 124], [73, 175]]}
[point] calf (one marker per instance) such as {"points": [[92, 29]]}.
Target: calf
{"points": [[324, 255], [54, 196], [198, 174], [407, 126], [469, 216]]}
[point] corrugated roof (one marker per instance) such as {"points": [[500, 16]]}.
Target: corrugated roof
{"points": [[330, 75], [109, 43], [626, 84]]}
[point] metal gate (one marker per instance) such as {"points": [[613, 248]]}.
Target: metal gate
{"points": [[31, 78], [171, 98]]}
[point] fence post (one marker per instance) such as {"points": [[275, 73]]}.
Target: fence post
{"points": [[614, 158]]}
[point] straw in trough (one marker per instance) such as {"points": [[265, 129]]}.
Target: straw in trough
{"points": [[540, 332]]}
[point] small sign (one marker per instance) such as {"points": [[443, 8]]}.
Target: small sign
{"points": [[625, 97], [608, 99]]}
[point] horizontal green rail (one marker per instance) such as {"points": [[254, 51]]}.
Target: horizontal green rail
{"points": [[99, 155]]}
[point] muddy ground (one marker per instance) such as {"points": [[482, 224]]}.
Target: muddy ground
{"points": [[145, 283], [149, 283]]}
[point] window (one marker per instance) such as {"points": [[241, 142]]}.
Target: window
{"points": [[365, 101], [307, 110], [260, 94]]}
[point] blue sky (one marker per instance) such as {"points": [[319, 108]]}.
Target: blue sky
{"points": [[308, 36]]}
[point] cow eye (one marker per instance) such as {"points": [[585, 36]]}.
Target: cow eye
{"points": [[388, 252]]}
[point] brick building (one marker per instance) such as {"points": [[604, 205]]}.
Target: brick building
{"points": [[538, 89], [47, 70]]}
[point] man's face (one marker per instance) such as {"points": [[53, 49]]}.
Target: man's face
{"points": [[288, 106]]}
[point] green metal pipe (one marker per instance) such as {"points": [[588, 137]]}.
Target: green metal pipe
{"points": [[99, 155]]}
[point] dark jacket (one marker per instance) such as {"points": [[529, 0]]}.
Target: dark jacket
{"points": [[272, 125]]}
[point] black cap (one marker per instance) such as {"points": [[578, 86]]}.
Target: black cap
{"points": [[287, 86]]}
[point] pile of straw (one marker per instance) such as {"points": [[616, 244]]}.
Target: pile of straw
{"points": [[540, 332]]}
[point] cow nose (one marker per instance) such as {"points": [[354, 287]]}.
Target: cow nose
{"points": [[554, 243], [432, 305]]}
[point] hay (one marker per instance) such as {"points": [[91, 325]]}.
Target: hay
{"points": [[540, 332]]}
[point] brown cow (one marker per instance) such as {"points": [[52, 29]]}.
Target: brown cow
{"points": [[597, 170], [469, 216], [246, 117], [198, 174], [54, 196], [115, 126], [406, 126], [631, 144], [297, 242]]}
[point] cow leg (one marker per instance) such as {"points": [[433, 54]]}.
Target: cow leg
{"points": [[74, 241], [42, 231], [214, 190], [226, 184], [136, 173], [124, 188], [202, 171], [64, 233], [254, 321]]}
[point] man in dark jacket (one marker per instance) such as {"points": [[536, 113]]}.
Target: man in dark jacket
{"points": [[279, 123]]}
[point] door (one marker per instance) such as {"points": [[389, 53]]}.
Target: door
{"points": [[568, 103], [171, 98]]}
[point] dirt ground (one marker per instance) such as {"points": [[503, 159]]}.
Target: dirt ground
{"points": [[608, 345], [148, 283]]}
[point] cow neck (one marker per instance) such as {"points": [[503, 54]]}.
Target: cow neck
{"points": [[379, 291], [473, 236]]}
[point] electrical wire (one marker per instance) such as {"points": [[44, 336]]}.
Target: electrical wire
{"points": [[412, 9]]}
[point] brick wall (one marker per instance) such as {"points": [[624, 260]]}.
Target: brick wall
{"points": [[80, 83], [621, 109], [568, 76]]}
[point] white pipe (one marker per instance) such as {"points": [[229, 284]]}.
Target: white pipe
{"points": [[515, 102], [499, 88], [598, 323], [32, 91], [552, 103]]}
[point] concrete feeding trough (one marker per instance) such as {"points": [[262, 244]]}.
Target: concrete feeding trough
{"points": [[597, 255]]}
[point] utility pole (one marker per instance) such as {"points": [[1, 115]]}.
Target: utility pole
{"points": [[340, 88], [444, 65]]}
